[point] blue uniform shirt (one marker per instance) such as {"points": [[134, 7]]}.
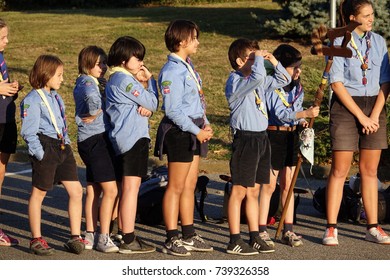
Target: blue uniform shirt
{"points": [[36, 120], [240, 94], [7, 103], [278, 113], [179, 89], [124, 94], [348, 71], [88, 101]]}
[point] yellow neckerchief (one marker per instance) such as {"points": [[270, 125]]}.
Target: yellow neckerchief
{"points": [[260, 104], [115, 69], [52, 117], [94, 79], [281, 96], [354, 46], [189, 69]]}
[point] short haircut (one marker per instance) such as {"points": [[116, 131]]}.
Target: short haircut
{"points": [[178, 31], [44, 68], [2, 23], [239, 48], [287, 55], [88, 58], [123, 49]]}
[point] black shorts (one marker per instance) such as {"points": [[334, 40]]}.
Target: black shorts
{"points": [[56, 166], [251, 157], [178, 145], [346, 131], [284, 148], [98, 158], [8, 138], [135, 161]]}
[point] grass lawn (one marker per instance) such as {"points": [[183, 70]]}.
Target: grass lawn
{"points": [[66, 32]]}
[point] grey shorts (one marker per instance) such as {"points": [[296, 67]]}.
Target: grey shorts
{"points": [[346, 131]]}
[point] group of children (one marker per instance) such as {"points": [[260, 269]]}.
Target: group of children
{"points": [[265, 98]]}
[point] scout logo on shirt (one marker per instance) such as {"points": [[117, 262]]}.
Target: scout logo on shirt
{"points": [[129, 87], [25, 107], [165, 87], [88, 83], [135, 93]]}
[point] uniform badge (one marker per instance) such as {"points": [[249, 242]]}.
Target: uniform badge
{"points": [[165, 87], [135, 93], [129, 87]]}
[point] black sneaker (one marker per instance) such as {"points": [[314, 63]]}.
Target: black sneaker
{"points": [[137, 246], [75, 245], [196, 243], [175, 246], [263, 243], [39, 246], [239, 247]]}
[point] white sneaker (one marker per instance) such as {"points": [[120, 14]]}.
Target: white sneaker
{"points": [[90, 240], [106, 245], [377, 235], [330, 237]]}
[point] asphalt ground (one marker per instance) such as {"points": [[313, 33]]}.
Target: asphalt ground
{"points": [[310, 225]]}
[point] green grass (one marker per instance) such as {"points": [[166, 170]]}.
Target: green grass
{"points": [[66, 32]]}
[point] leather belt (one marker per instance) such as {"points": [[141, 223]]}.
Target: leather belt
{"points": [[282, 128]]}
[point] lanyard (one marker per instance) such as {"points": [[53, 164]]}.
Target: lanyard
{"points": [[285, 102], [260, 104], [363, 60], [52, 117]]}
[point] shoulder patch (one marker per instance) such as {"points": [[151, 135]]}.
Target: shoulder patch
{"points": [[135, 93], [129, 87], [166, 83], [25, 107], [165, 87]]}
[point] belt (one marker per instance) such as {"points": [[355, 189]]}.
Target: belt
{"points": [[282, 128]]}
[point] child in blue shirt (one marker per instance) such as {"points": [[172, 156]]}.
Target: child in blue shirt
{"points": [[129, 105], [95, 149], [250, 160], [44, 129], [285, 114]]}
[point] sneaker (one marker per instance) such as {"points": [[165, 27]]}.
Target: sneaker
{"points": [[39, 246], [377, 235], [116, 238], [175, 246], [75, 245], [290, 238], [330, 237], [196, 243], [239, 247], [263, 243], [106, 245], [90, 240], [6, 240], [138, 246]]}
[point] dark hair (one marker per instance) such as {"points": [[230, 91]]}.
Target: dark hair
{"points": [[178, 31], [88, 58], [287, 55], [44, 68], [123, 49], [351, 7], [238, 50], [2, 23]]}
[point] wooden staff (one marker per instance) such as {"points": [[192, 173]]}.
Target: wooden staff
{"points": [[318, 37]]}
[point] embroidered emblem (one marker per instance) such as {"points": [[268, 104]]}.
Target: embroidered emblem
{"points": [[165, 87], [166, 83], [129, 87], [135, 93]]}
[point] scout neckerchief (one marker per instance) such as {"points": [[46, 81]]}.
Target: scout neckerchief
{"points": [[115, 69], [3, 70], [363, 59], [94, 79], [285, 102], [196, 77], [60, 135], [260, 104]]}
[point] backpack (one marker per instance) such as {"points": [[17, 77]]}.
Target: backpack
{"points": [[151, 193]]}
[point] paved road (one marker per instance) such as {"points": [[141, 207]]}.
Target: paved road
{"points": [[310, 224]]}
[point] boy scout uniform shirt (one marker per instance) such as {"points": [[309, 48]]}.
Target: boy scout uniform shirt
{"points": [[278, 113], [124, 94], [7, 104], [239, 92], [181, 100], [36, 120], [349, 72], [89, 101]]}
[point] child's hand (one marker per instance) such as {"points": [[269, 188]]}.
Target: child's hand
{"points": [[204, 135], [8, 89], [143, 75], [144, 112], [313, 112], [270, 57]]}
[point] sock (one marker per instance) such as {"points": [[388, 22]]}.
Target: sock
{"points": [[188, 231], [262, 228], [331, 225], [74, 236], [234, 237], [287, 227], [172, 233], [128, 237], [252, 236], [370, 226]]}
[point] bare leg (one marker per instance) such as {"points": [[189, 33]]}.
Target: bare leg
{"points": [[75, 205]]}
